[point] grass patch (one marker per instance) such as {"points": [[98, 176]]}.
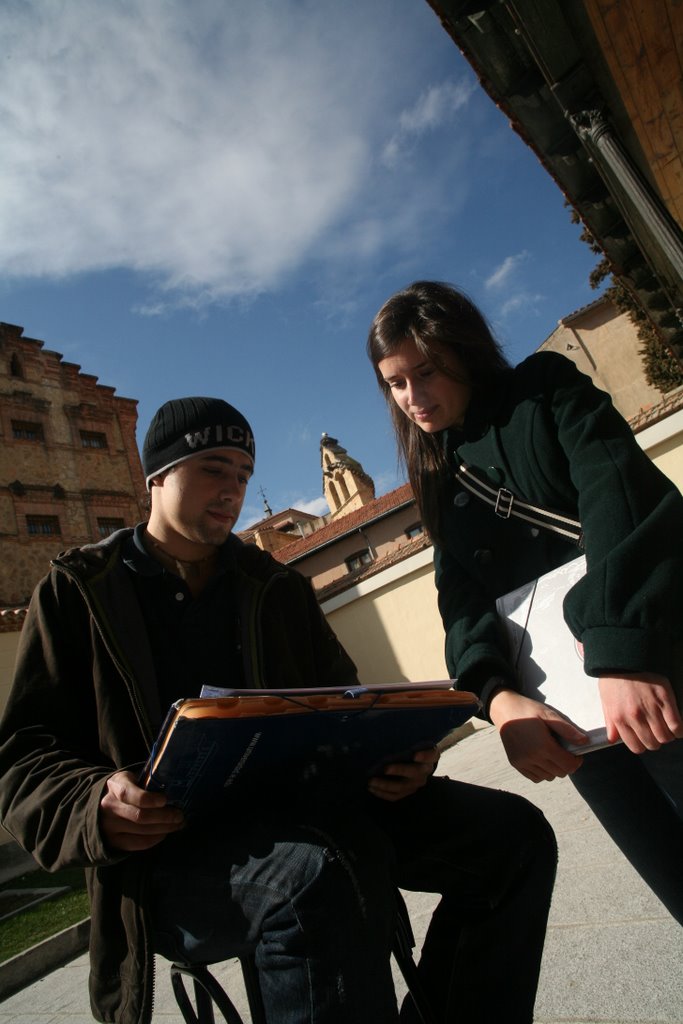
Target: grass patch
{"points": [[24, 930]]}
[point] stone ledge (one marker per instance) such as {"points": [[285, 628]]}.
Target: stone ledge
{"points": [[34, 963]]}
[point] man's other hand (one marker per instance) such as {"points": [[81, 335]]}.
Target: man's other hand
{"points": [[405, 777], [132, 818]]}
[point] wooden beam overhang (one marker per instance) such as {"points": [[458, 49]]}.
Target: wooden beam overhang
{"points": [[594, 88]]}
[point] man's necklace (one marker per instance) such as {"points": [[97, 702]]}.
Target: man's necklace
{"points": [[189, 569]]}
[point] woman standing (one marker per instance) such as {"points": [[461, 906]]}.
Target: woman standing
{"points": [[543, 432]]}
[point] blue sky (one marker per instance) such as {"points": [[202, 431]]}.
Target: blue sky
{"points": [[215, 198]]}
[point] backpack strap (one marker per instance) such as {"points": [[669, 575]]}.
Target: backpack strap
{"points": [[506, 504]]}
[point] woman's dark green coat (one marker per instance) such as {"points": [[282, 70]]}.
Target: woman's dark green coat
{"points": [[545, 432]]}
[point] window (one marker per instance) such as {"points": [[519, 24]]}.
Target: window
{"points": [[344, 489], [43, 526], [23, 430], [413, 531], [358, 560], [93, 439], [107, 526], [334, 496]]}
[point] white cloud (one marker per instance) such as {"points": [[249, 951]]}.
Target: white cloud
{"points": [[213, 147], [521, 301], [435, 107], [130, 149], [504, 271], [314, 506], [252, 514]]}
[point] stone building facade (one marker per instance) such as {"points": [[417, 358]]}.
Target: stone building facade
{"points": [[70, 470]]}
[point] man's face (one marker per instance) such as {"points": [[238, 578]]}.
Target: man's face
{"points": [[197, 502]]}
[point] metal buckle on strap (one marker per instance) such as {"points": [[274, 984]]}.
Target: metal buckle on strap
{"points": [[504, 502]]}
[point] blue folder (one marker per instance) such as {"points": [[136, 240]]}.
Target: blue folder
{"points": [[214, 748]]}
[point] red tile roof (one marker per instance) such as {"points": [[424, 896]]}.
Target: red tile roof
{"points": [[375, 509], [671, 403], [277, 520], [338, 586]]}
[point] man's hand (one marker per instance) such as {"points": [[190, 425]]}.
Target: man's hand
{"points": [[641, 710], [405, 778], [529, 732], [132, 818]]}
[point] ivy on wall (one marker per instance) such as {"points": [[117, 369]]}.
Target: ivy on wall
{"points": [[661, 367]]}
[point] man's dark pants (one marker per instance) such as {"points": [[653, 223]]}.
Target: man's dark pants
{"points": [[313, 893]]}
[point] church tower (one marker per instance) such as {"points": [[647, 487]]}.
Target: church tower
{"points": [[346, 485]]}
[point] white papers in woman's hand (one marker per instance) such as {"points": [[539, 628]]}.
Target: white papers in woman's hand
{"points": [[547, 658]]}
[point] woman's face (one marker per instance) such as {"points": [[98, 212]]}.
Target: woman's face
{"points": [[427, 395]]}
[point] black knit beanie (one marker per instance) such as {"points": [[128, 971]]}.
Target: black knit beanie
{"points": [[185, 427]]}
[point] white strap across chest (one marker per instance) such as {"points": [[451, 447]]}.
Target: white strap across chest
{"points": [[506, 504]]}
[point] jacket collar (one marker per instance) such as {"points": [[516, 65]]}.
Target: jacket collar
{"points": [[484, 409]]}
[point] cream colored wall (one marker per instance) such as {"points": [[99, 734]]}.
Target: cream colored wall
{"points": [[669, 458], [663, 442], [604, 344], [390, 624]]}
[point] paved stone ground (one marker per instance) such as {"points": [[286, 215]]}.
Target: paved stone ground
{"points": [[613, 954]]}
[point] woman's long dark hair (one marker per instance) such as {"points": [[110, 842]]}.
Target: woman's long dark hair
{"points": [[436, 317]]}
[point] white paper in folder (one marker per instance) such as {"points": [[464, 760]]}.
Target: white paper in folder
{"points": [[547, 658]]}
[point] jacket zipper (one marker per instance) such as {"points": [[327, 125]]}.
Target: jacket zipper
{"points": [[253, 640], [124, 672]]}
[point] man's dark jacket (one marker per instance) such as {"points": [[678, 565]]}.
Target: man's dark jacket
{"points": [[85, 704]]}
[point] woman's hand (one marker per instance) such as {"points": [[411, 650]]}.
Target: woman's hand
{"points": [[405, 778], [132, 818], [641, 710], [529, 732]]}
